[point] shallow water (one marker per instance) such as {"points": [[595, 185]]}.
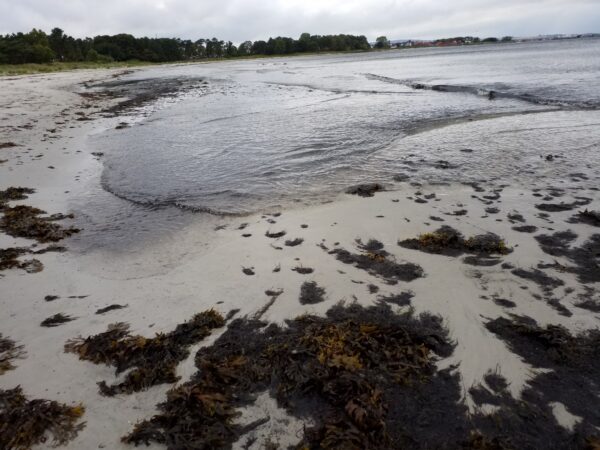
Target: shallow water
{"points": [[257, 134]]}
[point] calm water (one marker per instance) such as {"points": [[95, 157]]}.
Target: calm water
{"points": [[252, 135]]}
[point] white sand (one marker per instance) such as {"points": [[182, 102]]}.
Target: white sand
{"points": [[166, 282]]}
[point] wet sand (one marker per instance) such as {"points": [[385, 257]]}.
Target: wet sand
{"points": [[227, 263]]}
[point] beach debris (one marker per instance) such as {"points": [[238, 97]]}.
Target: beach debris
{"points": [[304, 225], [378, 262], [311, 293], [246, 235], [14, 193], [149, 361], [25, 423], [373, 288], [56, 320], [248, 270], [584, 258], [365, 190], [9, 351], [401, 299], [7, 145], [525, 228], [51, 298], [277, 268], [448, 241], [294, 242], [586, 216], [303, 270], [275, 235], [560, 207], [9, 260], [25, 221], [110, 308], [274, 296], [357, 368]]}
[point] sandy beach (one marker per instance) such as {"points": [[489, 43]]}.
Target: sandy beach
{"points": [[228, 263]]}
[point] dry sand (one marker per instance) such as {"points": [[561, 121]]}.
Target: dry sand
{"points": [[200, 266]]}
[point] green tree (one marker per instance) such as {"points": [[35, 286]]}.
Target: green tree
{"points": [[382, 42]]}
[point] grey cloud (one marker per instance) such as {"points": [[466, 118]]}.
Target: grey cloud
{"points": [[240, 20]]}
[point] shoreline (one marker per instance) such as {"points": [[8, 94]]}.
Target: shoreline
{"points": [[201, 266]]}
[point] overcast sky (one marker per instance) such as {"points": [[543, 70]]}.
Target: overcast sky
{"points": [[240, 20]]}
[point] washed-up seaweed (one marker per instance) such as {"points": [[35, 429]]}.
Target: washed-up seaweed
{"points": [[110, 308], [149, 361], [25, 423], [27, 222], [585, 258], [294, 242], [448, 241], [9, 260], [9, 351], [586, 216], [311, 293], [572, 371], [378, 262], [56, 320], [14, 193], [365, 376], [365, 190], [276, 234], [401, 299], [303, 270]]}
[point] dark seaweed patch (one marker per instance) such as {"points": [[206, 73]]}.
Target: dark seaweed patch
{"points": [[504, 302], [587, 217], [14, 193], [365, 376], [525, 228], [481, 261], [56, 320], [303, 270], [585, 258], [401, 299], [150, 361], [275, 235], [546, 282], [9, 260], [26, 222], [560, 207], [377, 262], [25, 423], [311, 293], [448, 241], [365, 190], [294, 242], [9, 351], [110, 308]]}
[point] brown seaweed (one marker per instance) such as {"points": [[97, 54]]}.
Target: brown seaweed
{"points": [[25, 423], [56, 320], [26, 222], [448, 241], [353, 372], [311, 293], [9, 351], [151, 360], [378, 262]]}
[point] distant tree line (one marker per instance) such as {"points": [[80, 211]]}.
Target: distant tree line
{"points": [[39, 47]]}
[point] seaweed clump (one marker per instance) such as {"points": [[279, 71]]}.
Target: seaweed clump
{"points": [[25, 221], [9, 260], [56, 320], [365, 190], [378, 262], [584, 258], [448, 241], [151, 360], [311, 293], [9, 351], [14, 193], [586, 216], [365, 376], [25, 423], [572, 364]]}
